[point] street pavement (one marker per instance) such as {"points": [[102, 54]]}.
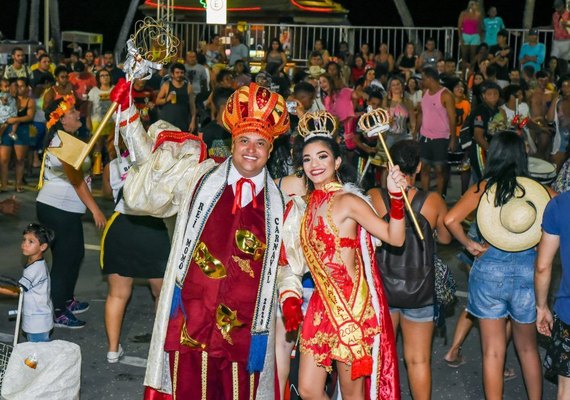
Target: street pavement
{"points": [[100, 380]]}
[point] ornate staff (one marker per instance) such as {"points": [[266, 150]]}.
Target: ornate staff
{"points": [[148, 49], [374, 123]]}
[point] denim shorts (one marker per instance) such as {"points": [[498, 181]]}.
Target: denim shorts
{"points": [[501, 284], [423, 314], [22, 133]]}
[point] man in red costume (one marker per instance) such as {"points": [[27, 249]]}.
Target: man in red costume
{"points": [[213, 335]]}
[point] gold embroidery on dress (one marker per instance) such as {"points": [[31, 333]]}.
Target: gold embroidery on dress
{"points": [[204, 375], [251, 386], [244, 265], [211, 266], [235, 381], [175, 377], [317, 318], [226, 320], [186, 340], [247, 242]]}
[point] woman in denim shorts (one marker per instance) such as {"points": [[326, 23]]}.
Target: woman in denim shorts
{"points": [[501, 283]]}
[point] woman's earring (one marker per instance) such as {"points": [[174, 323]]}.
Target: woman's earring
{"points": [[338, 177]]}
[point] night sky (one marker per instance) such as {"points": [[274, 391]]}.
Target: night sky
{"points": [[94, 15]]}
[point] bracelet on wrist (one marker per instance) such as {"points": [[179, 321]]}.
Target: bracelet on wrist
{"points": [[396, 195]]}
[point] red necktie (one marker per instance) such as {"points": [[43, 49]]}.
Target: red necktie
{"points": [[239, 188]]}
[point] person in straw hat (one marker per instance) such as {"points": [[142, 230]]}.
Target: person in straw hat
{"points": [[509, 212], [214, 332]]}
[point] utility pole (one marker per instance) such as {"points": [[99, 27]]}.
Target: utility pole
{"points": [[46, 25]]}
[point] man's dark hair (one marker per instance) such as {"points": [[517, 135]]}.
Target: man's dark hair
{"points": [[375, 94], [221, 96], [504, 33], [406, 155], [59, 69], [222, 74], [315, 54], [15, 49], [179, 66], [79, 67], [45, 55], [303, 87], [490, 85], [431, 72], [450, 59], [510, 90], [491, 71], [541, 74], [42, 233]]}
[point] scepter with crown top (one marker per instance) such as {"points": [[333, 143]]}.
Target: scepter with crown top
{"points": [[374, 123], [142, 61]]}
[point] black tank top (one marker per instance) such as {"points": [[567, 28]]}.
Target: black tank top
{"points": [[22, 112], [177, 114]]}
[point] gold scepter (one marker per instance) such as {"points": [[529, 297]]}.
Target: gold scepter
{"points": [[148, 49], [376, 122]]}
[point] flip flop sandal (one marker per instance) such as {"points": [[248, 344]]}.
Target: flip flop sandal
{"points": [[459, 361], [509, 374]]}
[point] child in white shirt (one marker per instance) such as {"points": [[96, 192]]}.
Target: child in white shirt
{"points": [[37, 312]]}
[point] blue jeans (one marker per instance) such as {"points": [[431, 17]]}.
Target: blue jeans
{"points": [[38, 337], [501, 284]]}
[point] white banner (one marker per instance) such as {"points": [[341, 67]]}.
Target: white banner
{"points": [[216, 12]]}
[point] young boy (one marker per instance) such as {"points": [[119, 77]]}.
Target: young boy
{"points": [[37, 312], [485, 121]]}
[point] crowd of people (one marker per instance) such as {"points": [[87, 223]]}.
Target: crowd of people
{"points": [[277, 160]]}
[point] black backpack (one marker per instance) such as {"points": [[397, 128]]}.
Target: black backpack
{"points": [[408, 271]]}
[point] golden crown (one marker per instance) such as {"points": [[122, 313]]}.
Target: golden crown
{"points": [[154, 41], [256, 109], [375, 122], [318, 123]]}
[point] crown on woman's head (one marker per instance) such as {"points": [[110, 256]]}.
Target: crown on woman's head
{"points": [[318, 123], [375, 122]]}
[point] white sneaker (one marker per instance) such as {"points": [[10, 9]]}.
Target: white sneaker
{"points": [[114, 356]]}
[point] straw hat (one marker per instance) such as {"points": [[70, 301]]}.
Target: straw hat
{"points": [[516, 225], [315, 71]]}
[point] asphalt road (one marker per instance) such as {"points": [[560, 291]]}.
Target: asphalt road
{"points": [[100, 380]]}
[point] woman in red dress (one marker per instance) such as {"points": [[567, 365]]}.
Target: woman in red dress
{"points": [[347, 319]]}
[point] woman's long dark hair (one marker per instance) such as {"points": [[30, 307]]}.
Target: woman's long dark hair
{"points": [[506, 159], [345, 172]]}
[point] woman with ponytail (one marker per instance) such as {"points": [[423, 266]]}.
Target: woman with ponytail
{"points": [[65, 194]]}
